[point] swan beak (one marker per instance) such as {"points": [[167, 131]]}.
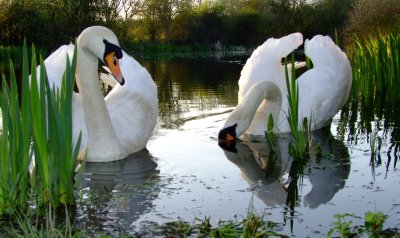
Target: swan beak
{"points": [[227, 138], [228, 134], [112, 62]]}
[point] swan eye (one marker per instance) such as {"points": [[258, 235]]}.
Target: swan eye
{"points": [[115, 60]]}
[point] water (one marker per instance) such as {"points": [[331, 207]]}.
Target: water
{"points": [[184, 174]]}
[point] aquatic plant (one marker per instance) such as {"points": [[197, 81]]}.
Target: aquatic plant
{"points": [[269, 133], [36, 131], [253, 225], [15, 141], [373, 226], [15, 54], [376, 71], [341, 226], [32, 225], [298, 149]]}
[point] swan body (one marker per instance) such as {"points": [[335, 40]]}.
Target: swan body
{"points": [[119, 124], [323, 90]]}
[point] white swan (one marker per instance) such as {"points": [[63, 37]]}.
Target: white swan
{"points": [[121, 123], [323, 90]]}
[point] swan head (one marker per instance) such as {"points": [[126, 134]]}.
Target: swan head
{"points": [[227, 138], [103, 44]]}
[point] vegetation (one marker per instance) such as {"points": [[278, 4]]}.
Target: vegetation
{"points": [[254, 225], [376, 81], [14, 53], [193, 22], [373, 226], [300, 146], [371, 18], [33, 226], [36, 131]]}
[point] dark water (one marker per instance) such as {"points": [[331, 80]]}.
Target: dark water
{"points": [[184, 174]]}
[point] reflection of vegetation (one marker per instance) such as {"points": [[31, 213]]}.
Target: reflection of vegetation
{"points": [[195, 85], [37, 124], [295, 178]]}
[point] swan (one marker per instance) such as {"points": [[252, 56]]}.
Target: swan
{"points": [[323, 90], [119, 124]]}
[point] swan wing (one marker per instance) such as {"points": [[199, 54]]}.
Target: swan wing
{"points": [[56, 63], [325, 88], [108, 78], [265, 65], [133, 107], [265, 62]]}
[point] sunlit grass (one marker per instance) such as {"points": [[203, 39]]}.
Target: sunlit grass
{"points": [[36, 130]]}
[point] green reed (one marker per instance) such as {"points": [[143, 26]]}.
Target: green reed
{"points": [[376, 68], [14, 53], [376, 86], [36, 130], [298, 149]]}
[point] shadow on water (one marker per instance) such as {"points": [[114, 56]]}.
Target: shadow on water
{"points": [[278, 179], [113, 195]]}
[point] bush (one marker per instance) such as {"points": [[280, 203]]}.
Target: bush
{"points": [[373, 18]]}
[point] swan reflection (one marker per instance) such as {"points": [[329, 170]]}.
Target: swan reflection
{"points": [[271, 173], [115, 194]]}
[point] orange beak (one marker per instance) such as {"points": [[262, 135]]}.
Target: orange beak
{"points": [[112, 63], [229, 138]]}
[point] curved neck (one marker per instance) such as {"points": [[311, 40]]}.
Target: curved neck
{"points": [[101, 134], [244, 112]]}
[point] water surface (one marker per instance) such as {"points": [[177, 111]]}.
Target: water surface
{"points": [[184, 174]]}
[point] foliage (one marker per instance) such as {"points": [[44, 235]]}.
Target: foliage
{"points": [[36, 131], [245, 22], [374, 223], [32, 226], [376, 83], [250, 226], [341, 226], [373, 18], [254, 225], [373, 226], [14, 53], [15, 141]]}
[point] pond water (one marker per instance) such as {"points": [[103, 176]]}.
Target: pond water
{"points": [[184, 174]]}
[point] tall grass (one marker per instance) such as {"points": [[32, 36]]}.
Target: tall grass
{"points": [[376, 68], [36, 130], [376, 86], [14, 53], [298, 149]]}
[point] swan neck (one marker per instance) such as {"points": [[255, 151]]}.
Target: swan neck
{"points": [[101, 133], [244, 113]]}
